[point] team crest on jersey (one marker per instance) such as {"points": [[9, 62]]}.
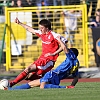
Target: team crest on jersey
{"points": [[49, 36]]}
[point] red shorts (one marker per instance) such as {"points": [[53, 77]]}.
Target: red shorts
{"points": [[43, 64], [38, 74]]}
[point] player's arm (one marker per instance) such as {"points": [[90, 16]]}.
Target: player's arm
{"points": [[28, 28], [93, 23], [63, 46], [56, 52], [75, 80], [59, 50]]}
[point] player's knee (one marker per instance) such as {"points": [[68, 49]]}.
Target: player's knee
{"points": [[31, 68], [41, 86]]}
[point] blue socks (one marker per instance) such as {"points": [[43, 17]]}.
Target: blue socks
{"points": [[53, 86], [23, 86], [26, 86]]}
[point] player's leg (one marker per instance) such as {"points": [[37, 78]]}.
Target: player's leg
{"points": [[40, 66], [31, 84], [23, 74], [33, 76], [47, 86], [40, 72], [67, 33], [23, 86], [50, 80], [71, 38]]}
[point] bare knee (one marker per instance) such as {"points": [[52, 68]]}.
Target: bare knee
{"points": [[31, 68], [41, 87], [34, 83]]}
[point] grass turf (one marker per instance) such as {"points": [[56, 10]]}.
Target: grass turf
{"points": [[82, 91]]}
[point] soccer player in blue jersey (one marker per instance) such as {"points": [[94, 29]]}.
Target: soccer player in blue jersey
{"points": [[52, 78]]}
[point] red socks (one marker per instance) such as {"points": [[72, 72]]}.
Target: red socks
{"points": [[19, 78]]}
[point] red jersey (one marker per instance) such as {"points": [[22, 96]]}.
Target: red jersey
{"points": [[49, 43]]}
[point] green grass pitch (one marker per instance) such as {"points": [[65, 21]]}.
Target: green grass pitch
{"points": [[82, 91]]}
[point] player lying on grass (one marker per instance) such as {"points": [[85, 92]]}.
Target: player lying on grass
{"points": [[52, 78], [50, 45]]}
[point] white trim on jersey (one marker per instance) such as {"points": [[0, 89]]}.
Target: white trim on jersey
{"points": [[46, 42], [55, 35], [38, 31], [50, 63]]}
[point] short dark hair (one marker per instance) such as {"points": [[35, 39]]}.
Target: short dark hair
{"points": [[46, 23], [75, 51]]}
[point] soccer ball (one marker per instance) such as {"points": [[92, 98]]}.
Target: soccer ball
{"points": [[4, 83]]}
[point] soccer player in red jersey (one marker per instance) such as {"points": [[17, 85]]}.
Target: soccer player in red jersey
{"points": [[50, 45], [52, 78]]}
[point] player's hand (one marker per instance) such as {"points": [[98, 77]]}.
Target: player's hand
{"points": [[48, 54], [17, 20], [93, 23], [70, 86]]}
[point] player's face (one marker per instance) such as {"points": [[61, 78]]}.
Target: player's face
{"points": [[43, 29], [98, 16]]}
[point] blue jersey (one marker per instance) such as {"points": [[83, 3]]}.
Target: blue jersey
{"points": [[69, 66], [66, 68]]}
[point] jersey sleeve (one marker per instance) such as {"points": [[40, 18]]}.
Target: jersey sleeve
{"points": [[62, 38], [38, 32], [55, 35]]}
